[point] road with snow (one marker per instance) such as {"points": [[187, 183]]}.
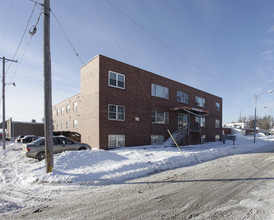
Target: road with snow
{"points": [[233, 187]]}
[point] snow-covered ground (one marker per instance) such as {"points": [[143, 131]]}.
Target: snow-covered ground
{"points": [[21, 179]]}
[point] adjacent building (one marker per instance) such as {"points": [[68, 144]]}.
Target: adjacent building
{"points": [[16, 128], [122, 105]]}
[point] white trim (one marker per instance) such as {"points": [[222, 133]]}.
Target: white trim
{"points": [[184, 95], [116, 140], [153, 92], [117, 118], [116, 78]]}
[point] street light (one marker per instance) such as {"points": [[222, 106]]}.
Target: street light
{"points": [[256, 97]]}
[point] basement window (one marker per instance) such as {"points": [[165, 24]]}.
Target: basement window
{"points": [[157, 139], [115, 141]]}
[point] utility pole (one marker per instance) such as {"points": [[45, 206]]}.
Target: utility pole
{"points": [[3, 100], [47, 90]]}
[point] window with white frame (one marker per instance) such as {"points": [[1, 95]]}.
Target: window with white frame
{"points": [[68, 124], [75, 104], [115, 140], [217, 137], [116, 112], [116, 80], [217, 123], [159, 91], [218, 106], [59, 126], [62, 125], [58, 111], [68, 109], [54, 114], [159, 117], [200, 101], [63, 110], [203, 138], [157, 139], [75, 123], [182, 97], [200, 121]]}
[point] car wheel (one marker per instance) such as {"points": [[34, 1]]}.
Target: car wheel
{"points": [[82, 148], [40, 156]]}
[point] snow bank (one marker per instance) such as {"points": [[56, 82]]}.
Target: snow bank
{"points": [[113, 166]]}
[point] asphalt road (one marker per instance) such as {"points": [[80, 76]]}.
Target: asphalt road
{"points": [[234, 187]]}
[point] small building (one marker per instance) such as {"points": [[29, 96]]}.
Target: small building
{"points": [[16, 128], [122, 105]]}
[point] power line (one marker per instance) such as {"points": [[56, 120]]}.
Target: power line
{"points": [[23, 33], [170, 48], [67, 37], [136, 75]]}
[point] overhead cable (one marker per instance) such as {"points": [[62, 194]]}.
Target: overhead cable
{"points": [[170, 48]]}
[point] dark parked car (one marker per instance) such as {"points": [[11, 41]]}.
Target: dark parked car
{"points": [[29, 138], [19, 138], [69, 134], [36, 149]]}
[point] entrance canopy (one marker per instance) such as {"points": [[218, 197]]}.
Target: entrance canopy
{"points": [[195, 111]]}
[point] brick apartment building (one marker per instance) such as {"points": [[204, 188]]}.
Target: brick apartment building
{"points": [[121, 105]]}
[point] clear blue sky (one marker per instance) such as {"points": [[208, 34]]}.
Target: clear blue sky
{"points": [[231, 41]]}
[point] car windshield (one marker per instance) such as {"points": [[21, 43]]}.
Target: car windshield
{"points": [[38, 141]]}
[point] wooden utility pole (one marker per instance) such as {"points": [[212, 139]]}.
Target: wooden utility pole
{"points": [[47, 90], [3, 101]]}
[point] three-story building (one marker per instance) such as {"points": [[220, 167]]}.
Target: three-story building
{"points": [[122, 105]]}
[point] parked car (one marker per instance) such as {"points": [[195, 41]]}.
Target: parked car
{"points": [[75, 136], [36, 149], [29, 138], [18, 139]]}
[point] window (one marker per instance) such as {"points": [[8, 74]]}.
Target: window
{"points": [[182, 97], [217, 123], [200, 121], [54, 114], [200, 101], [203, 138], [116, 141], [68, 109], [62, 140], [62, 125], [218, 106], [59, 126], [217, 137], [62, 110], [75, 104], [75, 122], [116, 80], [67, 124], [157, 139], [58, 111], [159, 91], [159, 117], [116, 112]]}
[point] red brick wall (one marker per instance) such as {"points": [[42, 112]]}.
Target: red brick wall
{"points": [[94, 125], [138, 102]]}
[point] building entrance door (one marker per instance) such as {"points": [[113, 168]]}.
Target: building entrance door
{"points": [[182, 122]]}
